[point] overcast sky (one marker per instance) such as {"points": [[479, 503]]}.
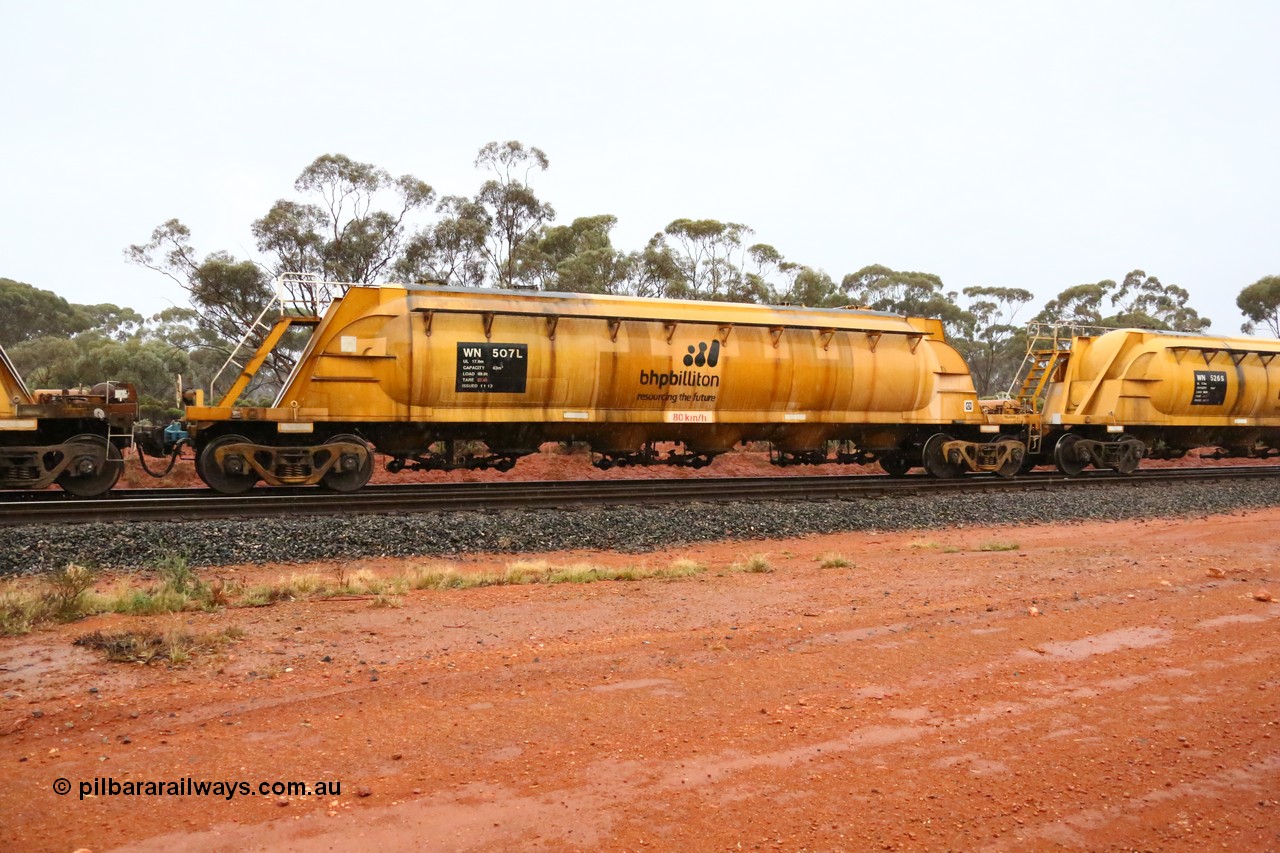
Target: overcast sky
{"points": [[1019, 144]]}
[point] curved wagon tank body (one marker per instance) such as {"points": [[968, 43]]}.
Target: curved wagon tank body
{"points": [[405, 368], [72, 437], [1169, 391]]}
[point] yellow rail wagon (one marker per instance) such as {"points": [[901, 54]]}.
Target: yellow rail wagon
{"points": [[73, 437], [1112, 398], [437, 378]]}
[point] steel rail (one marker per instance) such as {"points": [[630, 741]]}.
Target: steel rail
{"points": [[55, 507]]}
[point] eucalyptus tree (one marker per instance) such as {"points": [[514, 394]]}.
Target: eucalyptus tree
{"points": [[508, 205], [28, 312], [1142, 300], [708, 257], [992, 340], [1139, 301], [579, 257], [1260, 303], [449, 251], [228, 294], [916, 294], [351, 226], [652, 272]]}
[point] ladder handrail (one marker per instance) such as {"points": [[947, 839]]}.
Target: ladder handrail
{"points": [[17, 377], [307, 294], [1050, 342]]}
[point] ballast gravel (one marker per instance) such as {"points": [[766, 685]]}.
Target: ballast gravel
{"points": [[34, 549]]}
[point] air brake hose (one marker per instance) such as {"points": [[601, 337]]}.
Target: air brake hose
{"points": [[173, 460]]}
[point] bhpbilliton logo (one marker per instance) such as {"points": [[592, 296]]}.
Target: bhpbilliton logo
{"points": [[701, 357]]}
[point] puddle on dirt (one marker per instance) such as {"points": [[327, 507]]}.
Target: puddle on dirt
{"points": [[1112, 641], [506, 753], [859, 634], [872, 691], [32, 662], [1232, 619], [911, 715], [662, 685]]}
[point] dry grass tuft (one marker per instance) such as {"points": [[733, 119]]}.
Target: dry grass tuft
{"points": [[755, 564], [68, 594], [144, 647]]}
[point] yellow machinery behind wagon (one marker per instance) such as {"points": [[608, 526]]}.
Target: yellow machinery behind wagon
{"points": [[70, 436]]}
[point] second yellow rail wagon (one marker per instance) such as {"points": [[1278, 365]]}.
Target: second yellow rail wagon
{"points": [[437, 377], [1111, 398]]}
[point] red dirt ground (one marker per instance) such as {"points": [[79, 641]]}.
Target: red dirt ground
{"points": [[1103, 686]]}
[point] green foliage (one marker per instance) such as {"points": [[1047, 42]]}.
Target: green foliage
{"points": [[1142, 301], [708, 256], [19, 613], [63, 596], [228, 296], [337, 233], [1260, 303], [577, 258], [915, 294], [1139, 301], [813, 288], [710, 259], [449, 252], [115, 322], [179, 588], [354, 222], [1079, 305], [510, 209], [652, 272], [991, 340], [149, 362], [342, 235], [176, 575], [27, 313], [67, 591]]}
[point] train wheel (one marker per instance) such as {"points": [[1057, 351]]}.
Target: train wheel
{"points": [[935, 462], [218, 477], [1129, 462], [1016, 457], [97, 463], [199, 468], [347, 474], [894, 463], [1066, 457]]}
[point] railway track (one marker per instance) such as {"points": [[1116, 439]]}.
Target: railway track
{"points": [[53, 507]]}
